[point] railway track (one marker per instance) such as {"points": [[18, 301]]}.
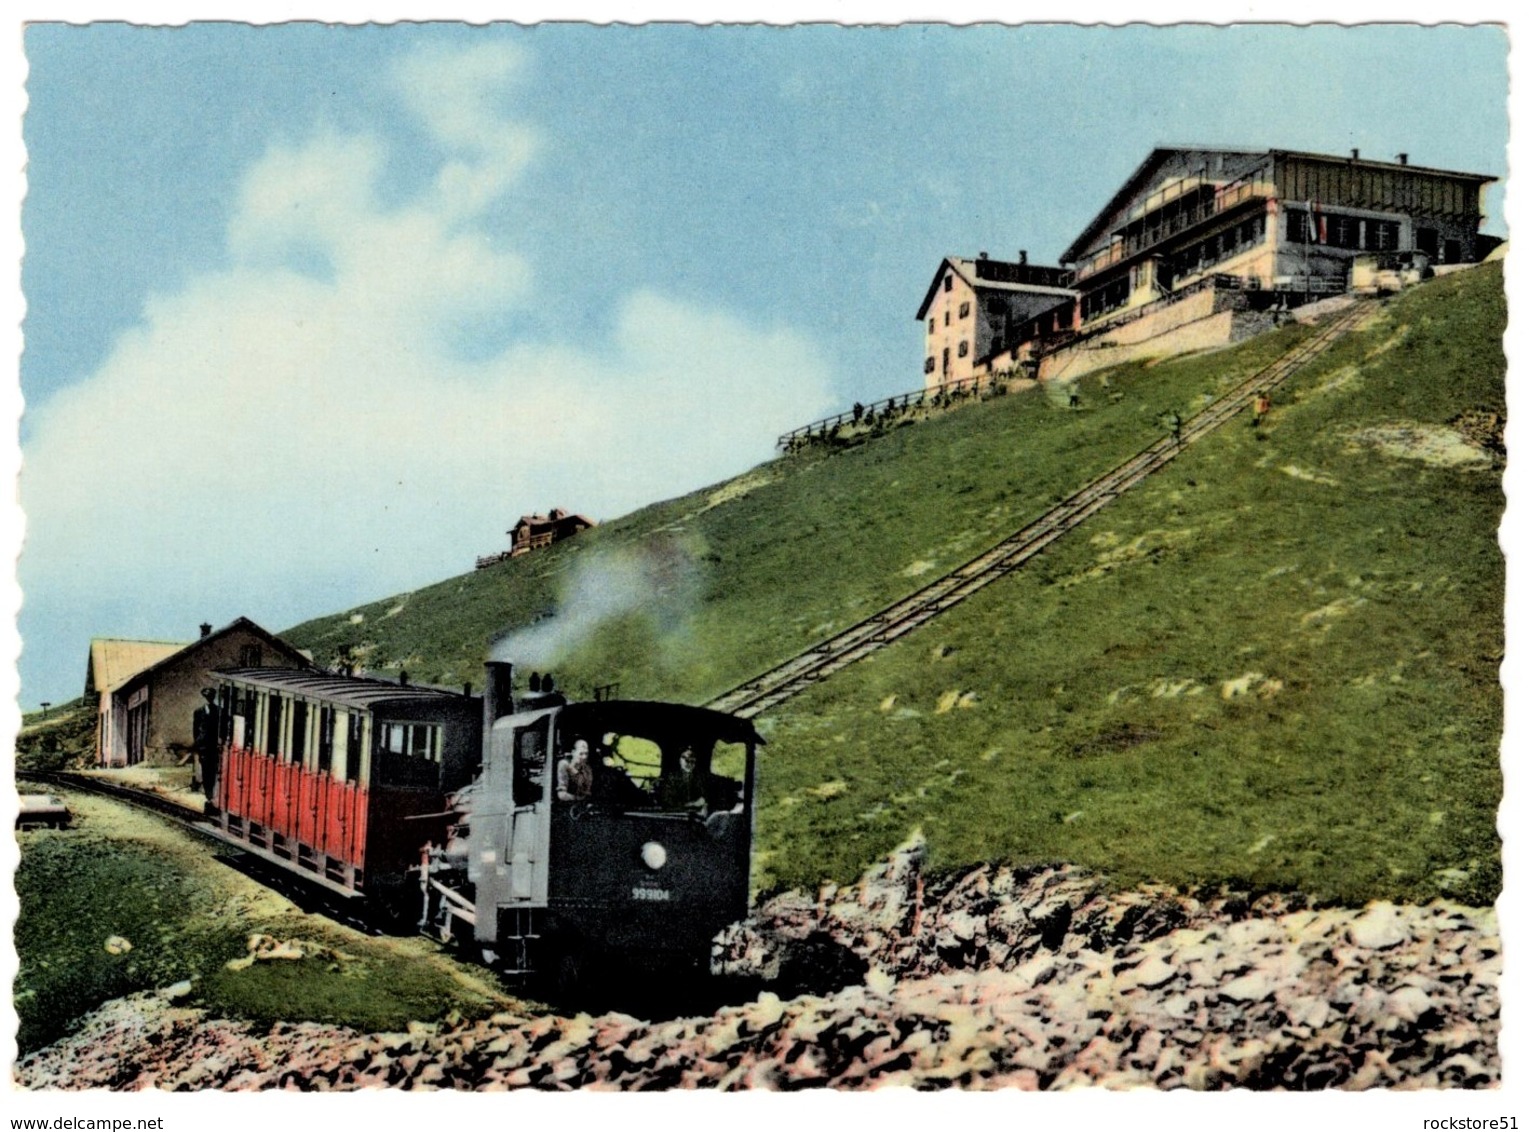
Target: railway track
{"points": [[881, 629], [306, 895], [143, 799]]}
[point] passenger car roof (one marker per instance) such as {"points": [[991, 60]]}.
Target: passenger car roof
{"points": [[352, 691]]}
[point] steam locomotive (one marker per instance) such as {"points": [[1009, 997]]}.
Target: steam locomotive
{"points": [[464, 812]]}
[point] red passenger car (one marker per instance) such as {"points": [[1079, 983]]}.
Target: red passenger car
{"points": [[341, 777]]}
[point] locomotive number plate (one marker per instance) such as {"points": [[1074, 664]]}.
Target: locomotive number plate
{"points": [[650, 893]]}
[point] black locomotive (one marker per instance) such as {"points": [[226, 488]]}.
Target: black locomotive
{"points": [[552, 836]]}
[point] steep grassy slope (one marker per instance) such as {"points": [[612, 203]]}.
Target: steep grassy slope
{"points": [[1275, 664], [687, 598], [66, 737]]}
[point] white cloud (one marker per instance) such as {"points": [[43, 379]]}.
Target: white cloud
{"points": [[301, 414], [458, 94]]}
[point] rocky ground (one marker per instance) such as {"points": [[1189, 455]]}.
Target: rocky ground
{"points": [[1036, 979]]}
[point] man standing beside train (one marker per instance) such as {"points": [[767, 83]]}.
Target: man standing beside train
{"points": [[206, 739], [575, 777]]}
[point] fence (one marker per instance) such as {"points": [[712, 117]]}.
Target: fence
{"points": [[885, 409]]}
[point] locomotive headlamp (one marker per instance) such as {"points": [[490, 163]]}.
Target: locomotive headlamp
{"points": [[653, 855]]}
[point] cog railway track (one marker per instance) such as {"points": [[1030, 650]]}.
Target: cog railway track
{"points": [[897, 620]]}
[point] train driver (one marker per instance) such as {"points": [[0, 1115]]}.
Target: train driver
{"points": [[684, 789], [575, 775]]}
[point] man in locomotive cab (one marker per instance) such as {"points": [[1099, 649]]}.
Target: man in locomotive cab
{"points": [[575, 775], [684, 786]]}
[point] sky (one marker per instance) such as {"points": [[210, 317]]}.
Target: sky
{"points": [[315, 313]]}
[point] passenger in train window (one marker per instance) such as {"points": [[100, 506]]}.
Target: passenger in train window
{"points": [[575, 776]]}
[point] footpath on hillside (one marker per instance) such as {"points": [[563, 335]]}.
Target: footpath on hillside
{"points": [[880, 629]]}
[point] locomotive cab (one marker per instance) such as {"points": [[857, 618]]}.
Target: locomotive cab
{"points": [[642, 854]]}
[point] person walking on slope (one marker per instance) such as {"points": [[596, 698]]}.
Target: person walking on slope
{"points": [[1176, 423], [1260, 407]]}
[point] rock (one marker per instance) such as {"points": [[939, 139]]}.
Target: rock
{"points": [[1409, 1003], [118, 945], [1379, 928], [1252, 987], [1144, 988], [880, 982], [1151, 973]]}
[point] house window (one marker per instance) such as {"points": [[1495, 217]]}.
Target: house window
{"points": [[947, 282], [961, 349], [931, 326], [249, 656], [1428, 242], [966, 309], [995, 306], [945, 360], [947, 318], [929, 364]]}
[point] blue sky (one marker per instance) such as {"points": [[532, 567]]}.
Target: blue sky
{"points": [[296, 294]]}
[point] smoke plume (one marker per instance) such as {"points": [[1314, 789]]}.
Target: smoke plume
{"points": [[657, 580]]}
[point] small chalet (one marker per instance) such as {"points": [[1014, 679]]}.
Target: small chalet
{"points": [[147, 691], [536, 531]]}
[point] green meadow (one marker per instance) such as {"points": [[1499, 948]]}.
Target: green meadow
{"points": [[1273, 665], [122, 902]]}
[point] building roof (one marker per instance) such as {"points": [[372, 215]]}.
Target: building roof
{"points": [[967, 270], [364, 692], [1133, 184], [556, 515], [113, 662], [244, 623], [1143, 171]]}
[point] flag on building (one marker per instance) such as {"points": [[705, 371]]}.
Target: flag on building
{"points": [[1316, 223]]}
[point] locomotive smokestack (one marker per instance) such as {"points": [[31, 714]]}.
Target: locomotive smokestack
{"points": [[498, 691]]}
